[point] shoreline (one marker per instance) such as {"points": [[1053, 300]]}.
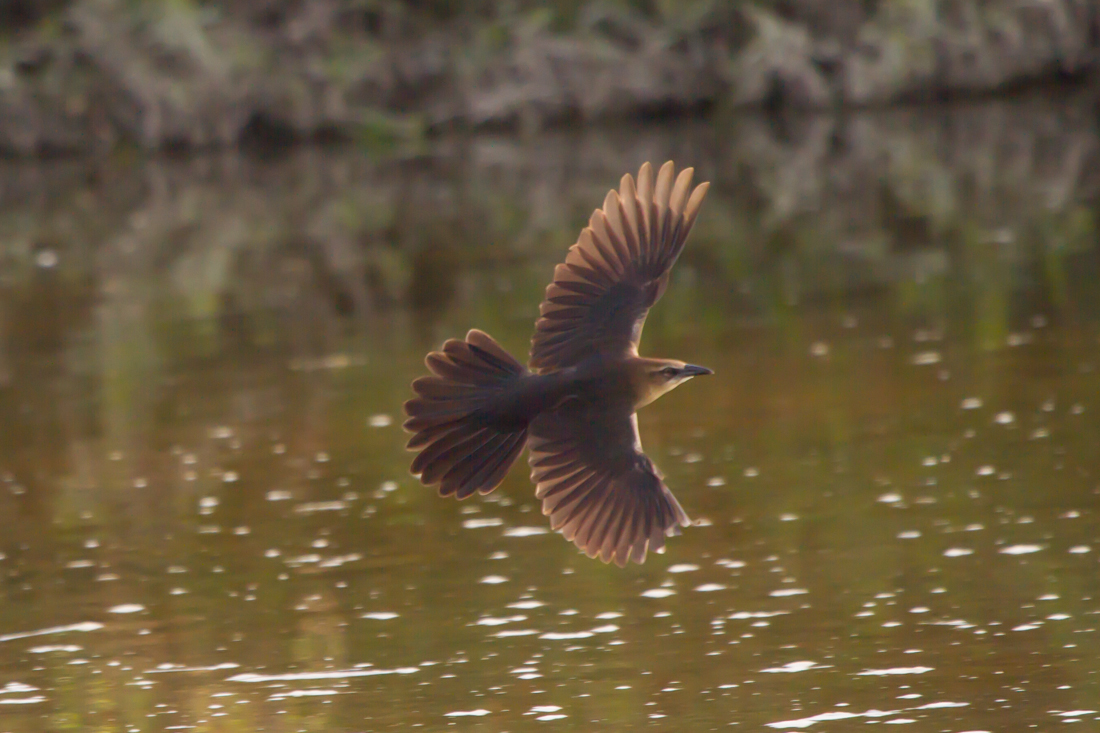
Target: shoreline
{"points": [[95, 75]]}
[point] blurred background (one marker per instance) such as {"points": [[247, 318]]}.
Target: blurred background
{"points": [[229, 231]]}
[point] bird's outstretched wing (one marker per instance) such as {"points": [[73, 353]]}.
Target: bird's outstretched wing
{"points": [[598, 488], [618, 268]]}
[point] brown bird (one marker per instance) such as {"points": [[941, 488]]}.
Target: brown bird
{"points": [[575, 407]]}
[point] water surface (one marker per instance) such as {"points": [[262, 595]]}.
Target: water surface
{"points": [[206, 520]]}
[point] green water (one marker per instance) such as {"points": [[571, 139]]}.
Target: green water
{"points": [[206, 520]]}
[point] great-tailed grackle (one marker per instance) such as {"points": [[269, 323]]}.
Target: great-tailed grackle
{"points": [[575, 407]]}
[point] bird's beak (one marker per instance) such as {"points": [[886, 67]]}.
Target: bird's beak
{"points": [[690, 370]]}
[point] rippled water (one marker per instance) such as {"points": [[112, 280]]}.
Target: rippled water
{"points": [[206, 520]]}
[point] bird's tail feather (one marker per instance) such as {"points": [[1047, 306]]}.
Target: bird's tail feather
{"points": [[464, 445]]}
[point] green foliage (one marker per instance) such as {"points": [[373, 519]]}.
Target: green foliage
{"points": [[379, 133]]}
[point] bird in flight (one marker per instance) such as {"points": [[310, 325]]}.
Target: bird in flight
{"points": [[575, 405]]}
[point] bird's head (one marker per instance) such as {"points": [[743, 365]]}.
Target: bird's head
{"points": [[663, 375]]}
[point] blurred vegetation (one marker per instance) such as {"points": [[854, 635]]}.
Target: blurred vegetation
{"points": [[93, 75]]}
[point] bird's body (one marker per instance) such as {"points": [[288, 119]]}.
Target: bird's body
{"points": [[614, 384], [575, 408]]}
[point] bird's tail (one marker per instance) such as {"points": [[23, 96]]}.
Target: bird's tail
{"points": [[464, 443]]}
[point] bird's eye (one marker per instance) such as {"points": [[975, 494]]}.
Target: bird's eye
{"points": [[669, 372]]}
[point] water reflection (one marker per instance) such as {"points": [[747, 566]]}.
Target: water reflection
{"points": [[207, 522]]}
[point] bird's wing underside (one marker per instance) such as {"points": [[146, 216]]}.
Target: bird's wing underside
{"points": [[618, 268], [598, 488]]}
